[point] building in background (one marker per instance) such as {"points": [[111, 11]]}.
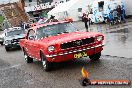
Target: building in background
{"points": [[32, 2], [40, 8], [45, 1]]}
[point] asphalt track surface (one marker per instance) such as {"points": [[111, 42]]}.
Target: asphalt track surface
{"points": [[16, 73]]}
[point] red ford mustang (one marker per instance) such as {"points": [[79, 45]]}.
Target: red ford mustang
{"points": [[58, 42]]}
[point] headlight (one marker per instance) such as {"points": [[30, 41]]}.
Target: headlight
{"points": [[8, 42], [99, 38], [51, 48]]}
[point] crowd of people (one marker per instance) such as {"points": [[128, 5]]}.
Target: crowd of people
{"points": [[116, 16]]}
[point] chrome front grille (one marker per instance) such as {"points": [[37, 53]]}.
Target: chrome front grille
{"points": [[77, 43]]}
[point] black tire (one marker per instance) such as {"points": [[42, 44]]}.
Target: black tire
{"points": [[45, 63], [7, 49], [95, 57], [27, 58], [1, 43]]}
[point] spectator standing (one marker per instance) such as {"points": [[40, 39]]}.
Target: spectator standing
{"points": [[115, 16], [89, 18], [119, 12], [85, 20], [123, 14], [110, 18], [22, 25], [27, 26]]}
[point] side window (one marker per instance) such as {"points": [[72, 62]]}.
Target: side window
{"points": [[40, 33], [31, 35]]}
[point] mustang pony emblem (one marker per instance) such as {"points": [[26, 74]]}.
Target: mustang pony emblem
{"points": [[78, 43]]}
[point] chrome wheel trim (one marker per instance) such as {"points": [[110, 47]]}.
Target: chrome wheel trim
{"points": [[44, 64], [25, 56]]}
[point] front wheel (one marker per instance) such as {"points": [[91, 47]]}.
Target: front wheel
{"points": [[27, 58], [7, 48], [95, 57], [46, 64], [1, 43]]}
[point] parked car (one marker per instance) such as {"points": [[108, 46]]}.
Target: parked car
{"points": [[12, 37], [2, 35], [58, 42]]}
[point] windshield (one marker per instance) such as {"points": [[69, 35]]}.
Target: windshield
{"points": [[55, 29], [15, 32], [41, 21]]}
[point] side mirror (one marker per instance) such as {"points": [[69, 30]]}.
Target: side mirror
{"points": [[26, 34], [32, 38], [26, 37]]}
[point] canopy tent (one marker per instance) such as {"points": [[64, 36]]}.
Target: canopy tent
{"points": [[69, 9], [63, 7]]}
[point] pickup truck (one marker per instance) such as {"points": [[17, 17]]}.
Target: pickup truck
{"points": [[59, 42]]}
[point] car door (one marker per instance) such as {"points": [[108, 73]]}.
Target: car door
{"points": [[30, 43], [36, 46], [36, 50]]}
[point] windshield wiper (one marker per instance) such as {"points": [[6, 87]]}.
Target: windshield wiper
{"points": [[62, 32], [65, 32]]}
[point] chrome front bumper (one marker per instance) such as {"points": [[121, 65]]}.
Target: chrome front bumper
{"points": [[74, 51], [1, 40]]}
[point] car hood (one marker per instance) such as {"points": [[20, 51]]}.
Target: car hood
{"points": [[15, 37], [67, 37]]}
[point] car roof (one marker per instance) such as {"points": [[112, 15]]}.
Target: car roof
{"points": [[10, 28], [46, 24], [17, 27], [13, 29]]}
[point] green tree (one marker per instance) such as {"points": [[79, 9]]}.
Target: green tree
{"points": [[1, 19]]}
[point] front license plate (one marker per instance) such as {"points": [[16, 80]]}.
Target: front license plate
{"points": [[80, 55]]}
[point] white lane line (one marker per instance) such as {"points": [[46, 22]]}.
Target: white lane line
{"points": [[14, 66]]}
